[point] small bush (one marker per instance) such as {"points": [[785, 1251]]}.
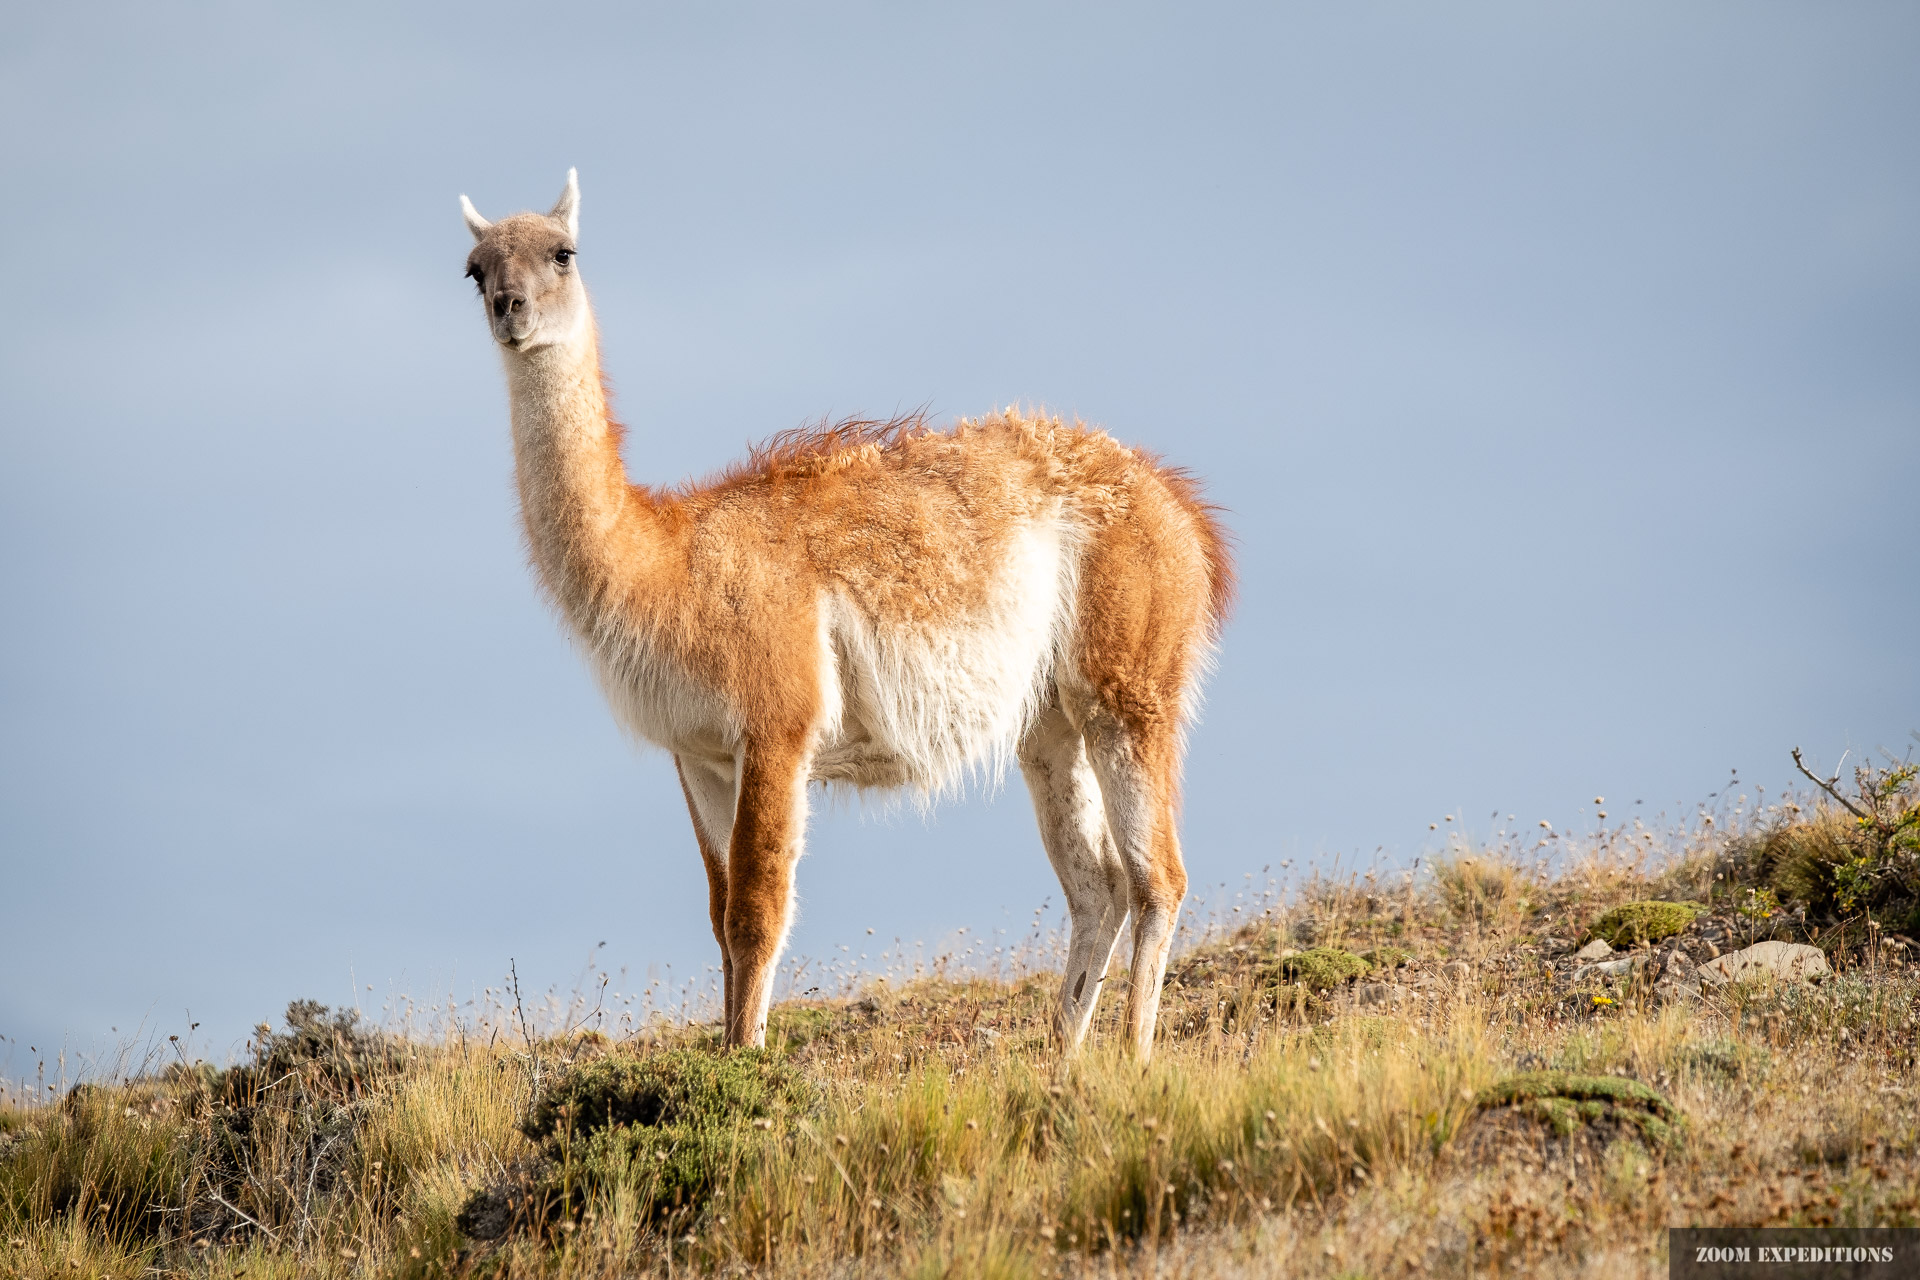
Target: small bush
{"points": [[1633, 923], [328, 1047], [1863, 854], [1797, 858], [668, 1127]]}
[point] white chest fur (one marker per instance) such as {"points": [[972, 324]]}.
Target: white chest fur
{"points": [[926, 706], [902, 705]]}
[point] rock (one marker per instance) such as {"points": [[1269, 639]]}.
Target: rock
{"points": [[1670, 991], [1781, 961], [1595, 950], [1677, 979], [1610, 970], [1556, 946], [1377, 993], [1678, 966]]}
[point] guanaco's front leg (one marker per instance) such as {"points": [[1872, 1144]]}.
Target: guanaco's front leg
{"points": [[768, 828], [710, 800]]}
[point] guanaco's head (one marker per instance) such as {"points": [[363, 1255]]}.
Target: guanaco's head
{"points": [[524, 269]]}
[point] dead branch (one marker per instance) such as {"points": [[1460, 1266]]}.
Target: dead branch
{"points": [[1827, 786]]}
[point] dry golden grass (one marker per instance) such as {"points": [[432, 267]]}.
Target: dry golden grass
{"points": [[1276, 1131]]}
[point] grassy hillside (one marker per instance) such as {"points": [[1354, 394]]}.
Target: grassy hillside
{"points": [[1375, 1075]]}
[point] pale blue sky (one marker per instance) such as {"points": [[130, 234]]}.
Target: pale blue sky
{"points": [[1557, 364]]}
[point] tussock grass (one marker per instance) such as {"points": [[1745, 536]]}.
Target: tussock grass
{"points": [[1481, 889]]}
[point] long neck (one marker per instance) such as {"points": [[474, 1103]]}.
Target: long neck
{"points": [[596, 540]]}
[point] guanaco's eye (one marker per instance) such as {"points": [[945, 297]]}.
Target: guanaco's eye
{"points": [[473, 274], [563, 256]]}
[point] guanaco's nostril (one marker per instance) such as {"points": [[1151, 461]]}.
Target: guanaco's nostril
{"points": [[505, 304]]}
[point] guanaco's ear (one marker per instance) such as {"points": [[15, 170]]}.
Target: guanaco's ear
{"points": [[475, 223], [567, 211]]}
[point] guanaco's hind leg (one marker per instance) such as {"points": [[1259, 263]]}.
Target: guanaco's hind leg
{"points": [[710, 800], [1073, 828], [1137, 781], [768, 828]]}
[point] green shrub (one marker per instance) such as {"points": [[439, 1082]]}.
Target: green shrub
{"points": [[1632, 923], [1798, 860], [670, 1126], [328, 1049], [1864, 855]]}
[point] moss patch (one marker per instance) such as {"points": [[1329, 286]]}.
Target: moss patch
{"points": [[1574, 1106], [1321, 968], [1633, 923]]}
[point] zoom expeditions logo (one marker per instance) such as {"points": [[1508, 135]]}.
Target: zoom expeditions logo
{"points": [[1791, 1253]]}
